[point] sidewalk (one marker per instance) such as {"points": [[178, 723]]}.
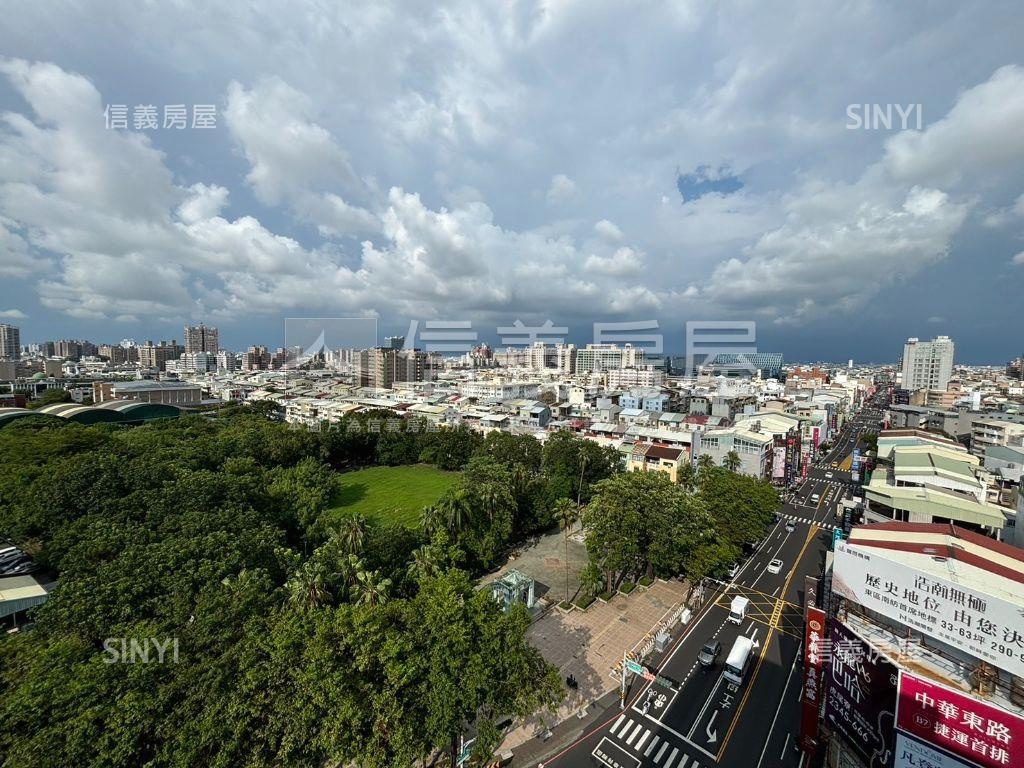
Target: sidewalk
{"points": [[588, 645]]}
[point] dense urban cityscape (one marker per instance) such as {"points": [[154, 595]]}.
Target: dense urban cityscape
{"points": [[531, 384]]}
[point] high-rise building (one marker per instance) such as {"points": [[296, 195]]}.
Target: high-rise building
{"points": [[156, 355], [927, 364], [10, 342], [602, 357], [383, 366], [394, 342], [200, 338]]}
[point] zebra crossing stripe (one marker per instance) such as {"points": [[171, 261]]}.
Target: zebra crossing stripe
{"points": [[625, 729], [684, 761], [668, 763], [652, 745], [641, 740], [661, 752], [618, 723], [639, 727]]}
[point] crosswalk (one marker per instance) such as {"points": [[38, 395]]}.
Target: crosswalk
{"points": [[640, 744], [806, 521]]}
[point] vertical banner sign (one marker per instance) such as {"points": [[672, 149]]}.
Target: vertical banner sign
{"points": [[810, 594], [815, 646], [860, 698], [979, 733]]}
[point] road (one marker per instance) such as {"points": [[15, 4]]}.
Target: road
{"points": [[706, 720]]}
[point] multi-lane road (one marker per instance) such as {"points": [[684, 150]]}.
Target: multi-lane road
{"points": [[706, 720]]}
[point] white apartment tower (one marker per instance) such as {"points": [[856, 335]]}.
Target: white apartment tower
{"points": [[927, 364]]}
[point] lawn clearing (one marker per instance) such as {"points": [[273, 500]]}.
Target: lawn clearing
{"points": [[390, 494]]}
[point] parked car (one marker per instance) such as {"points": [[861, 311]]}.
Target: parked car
{"points": [[709, 652], [775, 566]]}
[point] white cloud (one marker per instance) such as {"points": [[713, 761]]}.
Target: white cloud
{"points": [[562, 189], [205, 202], [13, 314], [1018, 259], [624, 261], [608, 231], [980, 134]]}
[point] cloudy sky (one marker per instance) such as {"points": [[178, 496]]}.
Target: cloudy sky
{"points": [[574, 161]]}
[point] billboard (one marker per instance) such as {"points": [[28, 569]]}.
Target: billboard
{"points": [[814, 648], [911, 753], [978, 733], [860, 697], [779, 463], [987, 627]]}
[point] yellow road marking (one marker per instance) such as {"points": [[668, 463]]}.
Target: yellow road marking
{"points": [[764, 652]]}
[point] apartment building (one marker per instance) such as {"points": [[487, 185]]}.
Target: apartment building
{"points": [[10, 342], [927, 364], [605, 357], [201, 338], [381, 367], [987, 433]]}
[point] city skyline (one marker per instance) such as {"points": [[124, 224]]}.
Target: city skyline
{"points": [[843, 198]]}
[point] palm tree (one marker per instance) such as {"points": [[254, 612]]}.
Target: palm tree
{"points": [[704, 462], [566, 513], [431, 520], [423, 564], [732, 461], [307, 587], [455, 509], [352, 533], [687, 477], [371, 589]]}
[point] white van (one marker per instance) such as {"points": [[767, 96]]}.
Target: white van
{"points": [[738, 609], [815, 498], [739, 659]]}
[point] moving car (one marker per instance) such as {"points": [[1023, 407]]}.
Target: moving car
{"points": [[733, 570], [709, 652], [790, 526], [775, 566], [828, 475], [815, 498]]}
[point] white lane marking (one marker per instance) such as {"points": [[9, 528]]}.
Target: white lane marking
{"points": [[778, 709]]}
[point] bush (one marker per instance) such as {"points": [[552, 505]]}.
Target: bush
{"points": [[584, 602], [646, 581], [627, 587]]}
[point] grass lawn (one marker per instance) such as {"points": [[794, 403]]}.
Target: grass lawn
{"points": [[390, 494]]}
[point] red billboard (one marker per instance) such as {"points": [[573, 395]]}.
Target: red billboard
{"points": [[814, 648], [978, 732]]}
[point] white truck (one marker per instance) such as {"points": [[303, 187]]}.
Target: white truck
{"points": [[739, 658], [738, 609]]}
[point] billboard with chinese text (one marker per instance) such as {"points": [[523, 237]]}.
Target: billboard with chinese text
{"points": [[911, 753], [988, 627], [979, 733], [814, 649], [860, 697]]}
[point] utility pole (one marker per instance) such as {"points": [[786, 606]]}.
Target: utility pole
{"points": [[622, 687]]}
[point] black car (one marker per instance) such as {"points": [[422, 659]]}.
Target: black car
{"points": [[709, 652]]}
